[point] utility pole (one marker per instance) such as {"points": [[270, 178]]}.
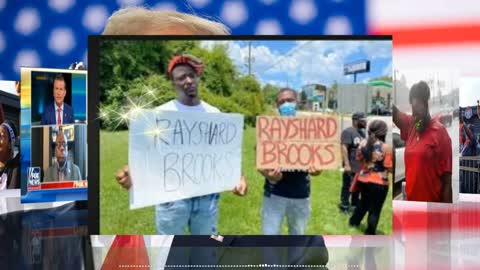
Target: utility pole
{"points": [[249, 58]]}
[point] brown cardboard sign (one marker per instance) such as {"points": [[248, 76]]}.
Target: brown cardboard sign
{"points": [[298, 142]]}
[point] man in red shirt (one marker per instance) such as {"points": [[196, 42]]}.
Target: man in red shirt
{"points": [[428, 150]]}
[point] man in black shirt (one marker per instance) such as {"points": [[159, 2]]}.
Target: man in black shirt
{"points": [[350, 140], [286, 193]]}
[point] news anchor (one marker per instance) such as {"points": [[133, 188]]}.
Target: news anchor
{"points": [[58, 112]]}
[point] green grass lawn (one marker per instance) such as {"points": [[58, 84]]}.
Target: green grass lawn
{"points": [[238, 215]]}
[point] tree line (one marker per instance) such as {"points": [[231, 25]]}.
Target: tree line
{"points": [[134, 72]]}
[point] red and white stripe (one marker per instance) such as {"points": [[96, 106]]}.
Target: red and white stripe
{"points": [[429, 33]]}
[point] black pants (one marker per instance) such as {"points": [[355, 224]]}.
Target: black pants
{"points": [[372, 197], [345, 193]]}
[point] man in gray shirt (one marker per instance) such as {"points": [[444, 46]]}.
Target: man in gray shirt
{"points": [[350, 140]]}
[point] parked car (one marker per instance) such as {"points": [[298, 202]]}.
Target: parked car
{"points": [[398, 165], [399, 151], [381, 111]]}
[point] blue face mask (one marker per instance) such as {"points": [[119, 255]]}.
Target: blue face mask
{"points": [[288, 109]]}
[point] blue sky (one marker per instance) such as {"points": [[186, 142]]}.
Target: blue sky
{"points": [[304, 62]]}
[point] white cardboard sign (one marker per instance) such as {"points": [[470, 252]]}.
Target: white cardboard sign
{"points": [[178, 155]]}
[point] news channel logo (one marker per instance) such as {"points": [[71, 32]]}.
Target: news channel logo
{"points": [[33, 176]]}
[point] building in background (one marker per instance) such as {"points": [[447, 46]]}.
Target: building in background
{"points": [[381, 97], [316, 96]]}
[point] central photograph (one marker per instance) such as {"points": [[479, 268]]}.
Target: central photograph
{"points": [[244, 135]]}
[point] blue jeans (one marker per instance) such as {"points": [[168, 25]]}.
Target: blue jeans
{"points": [[199, 214], [275, 208]]}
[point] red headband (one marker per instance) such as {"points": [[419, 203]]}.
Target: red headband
{"points": [[197, 65]]}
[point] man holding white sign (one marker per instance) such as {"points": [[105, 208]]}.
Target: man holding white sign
{"points": [[193, 149]]}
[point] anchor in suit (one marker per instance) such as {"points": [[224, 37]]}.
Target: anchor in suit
{"points": [[58, 112]]}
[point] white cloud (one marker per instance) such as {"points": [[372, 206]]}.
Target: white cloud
{"points": [[308, 62], [377, 49], [315, 61], [237, 52], [265, 58], [387, 71], [262, 56], [322, 61]]}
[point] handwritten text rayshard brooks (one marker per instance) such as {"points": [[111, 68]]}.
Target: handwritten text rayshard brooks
{"points": [[178, 155], [193, 167], [194, 133], [297, 142]]}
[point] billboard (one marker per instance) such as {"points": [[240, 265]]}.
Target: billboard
{"points": [[356, 67]]}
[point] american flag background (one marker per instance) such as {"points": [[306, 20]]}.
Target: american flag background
{"points": [[53, 33], [426, 34]]}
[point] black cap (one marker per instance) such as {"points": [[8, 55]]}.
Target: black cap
{"points": [[358, 116]]}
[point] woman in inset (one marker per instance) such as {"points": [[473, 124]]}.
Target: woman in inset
{"points": [[372, 180], [9, 163]]}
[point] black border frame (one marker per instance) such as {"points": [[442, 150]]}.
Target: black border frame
{"points": [[93, 96]]}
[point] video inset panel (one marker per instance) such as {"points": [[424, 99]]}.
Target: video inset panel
{"points": [[54, 135], [57, 94]]}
